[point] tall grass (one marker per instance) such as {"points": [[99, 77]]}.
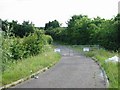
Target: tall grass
{"points": [[1, 37], [101, 55], [25, 67]]}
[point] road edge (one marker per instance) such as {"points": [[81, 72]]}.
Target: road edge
{"points": [[27, 78], [103, 72]]}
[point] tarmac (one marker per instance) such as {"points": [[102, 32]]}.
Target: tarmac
{"points": [[74, 70]]}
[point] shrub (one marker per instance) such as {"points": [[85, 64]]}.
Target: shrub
{"points": [[32, 45], [16, 49], [49, 39]]}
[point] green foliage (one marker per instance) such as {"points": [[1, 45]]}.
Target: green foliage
{"points": [[31, 45], [6, 49], [51, 25], [14, 48], [18, 43], [57, 33], [106, 35], [22, 30], [77, 30], [83, 30], [17, 30], [48, 39], [23, 68], [90, 54], [100, 55]]}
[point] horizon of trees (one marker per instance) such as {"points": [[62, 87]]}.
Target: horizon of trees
{"points": [[80, 30]]}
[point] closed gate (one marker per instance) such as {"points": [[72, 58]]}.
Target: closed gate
{"points": [[67, 51]]}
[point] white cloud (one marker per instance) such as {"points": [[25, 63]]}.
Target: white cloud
{"points": [[42, 11]]}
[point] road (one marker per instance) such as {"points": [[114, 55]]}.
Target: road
{"points": [[72, 71]]}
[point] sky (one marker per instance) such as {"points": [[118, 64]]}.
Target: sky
{"points": [[42, 11]]}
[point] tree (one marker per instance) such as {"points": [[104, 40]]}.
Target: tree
{"points": [[22, 30], [17, 30], [51, 25], [78, 31]]}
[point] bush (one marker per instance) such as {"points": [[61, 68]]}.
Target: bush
{"points": [[32, 45], [6, 55], [49, 39], [17, 48]]}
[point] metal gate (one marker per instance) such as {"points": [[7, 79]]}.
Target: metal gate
{"points": [[71, 50], [67, 50]]}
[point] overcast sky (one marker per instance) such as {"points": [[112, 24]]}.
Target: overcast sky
{"points": [[42, 11]]}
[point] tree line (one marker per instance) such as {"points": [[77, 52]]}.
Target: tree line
{"points": [[82, 30], [19, 41], [18, 30]]}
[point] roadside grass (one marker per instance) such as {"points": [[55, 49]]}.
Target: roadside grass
{"points": [[110, 68], [1, 38], [0, 66], [25, 67], [0, 73]]}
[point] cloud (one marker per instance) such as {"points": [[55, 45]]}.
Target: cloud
{"points": [[42, 11]]}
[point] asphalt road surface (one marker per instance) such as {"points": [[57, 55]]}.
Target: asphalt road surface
{"points": [[72, 71]]}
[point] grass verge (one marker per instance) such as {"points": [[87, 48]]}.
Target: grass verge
{"points": [[25, 67], [110, 68]]}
